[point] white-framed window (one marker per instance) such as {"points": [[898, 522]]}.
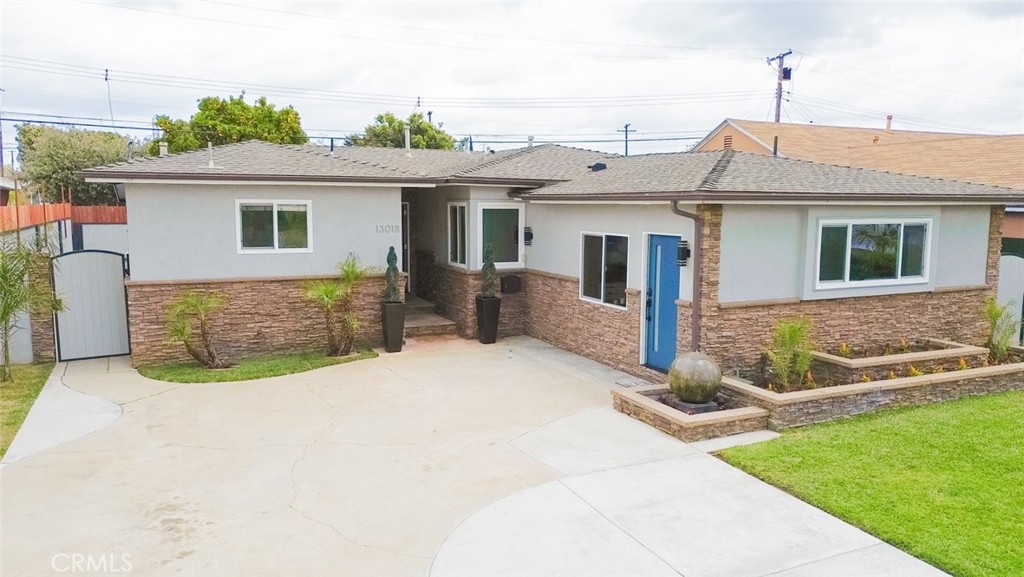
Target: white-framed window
{"points": [[604, 260], [872, 252], [457, 227], [274, 226], [501, 226]]}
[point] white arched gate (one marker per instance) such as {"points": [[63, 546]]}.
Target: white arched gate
{"points": [[1011, 284], [94, 322]]}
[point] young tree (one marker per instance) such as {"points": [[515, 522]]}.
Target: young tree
{"points": [[192, 312], [50, 157], [388, 131], [21, 291], [233, 120], [326, 294]]}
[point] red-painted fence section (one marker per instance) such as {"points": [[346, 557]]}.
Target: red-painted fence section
{"points": [[23, 216], [99, 214]]}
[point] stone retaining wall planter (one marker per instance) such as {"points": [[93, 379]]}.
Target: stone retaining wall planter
{"points": [[641, 404], [825, 404], [947, 354]]}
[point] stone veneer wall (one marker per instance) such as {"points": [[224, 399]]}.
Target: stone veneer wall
{"points": [[603, 333], [734, 333], [641, 403], [262, 316], [44, 343], [825, 404], [453, 291]]}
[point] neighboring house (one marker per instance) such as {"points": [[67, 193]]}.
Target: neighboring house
{"points": [[6, 186], [586, 244]]}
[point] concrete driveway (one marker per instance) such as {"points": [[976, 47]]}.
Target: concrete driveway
{"points": [[450, 458]]}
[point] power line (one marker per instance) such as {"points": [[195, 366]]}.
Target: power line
{"points": [[460, 47]]}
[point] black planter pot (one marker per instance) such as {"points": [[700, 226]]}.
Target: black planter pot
{"points": [[393, 321], [487, 310]]}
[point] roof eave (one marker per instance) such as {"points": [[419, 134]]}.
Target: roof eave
{"points": [[729, 197], [118, 177]]}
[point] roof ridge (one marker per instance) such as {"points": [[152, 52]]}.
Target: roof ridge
{"points": [[710, 181], [498, 160]]}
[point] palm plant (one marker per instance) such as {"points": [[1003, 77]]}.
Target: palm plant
{"points": [[351, 274], [326, 294], [1002, 328], [191, 313], [21, 291], [790, 352]]}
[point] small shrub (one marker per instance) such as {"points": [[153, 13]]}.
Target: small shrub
{"points": [[1002, 329], [939, 369], [845, 351], [790, 352], [962, 365], [904, 345], [188, 316], [866, 379], [913, 372]]}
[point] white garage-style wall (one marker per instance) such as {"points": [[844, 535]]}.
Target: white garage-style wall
{"points": [[189, 231]]}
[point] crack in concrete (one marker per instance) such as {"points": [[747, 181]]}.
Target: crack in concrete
{"points": [[335, 412]]}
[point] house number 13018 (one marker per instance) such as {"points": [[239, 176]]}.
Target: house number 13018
{"points": [[386, 228]]}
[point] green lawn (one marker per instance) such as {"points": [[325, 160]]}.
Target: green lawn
{"points": [[247, 370], [16, 399], [943, 482]]}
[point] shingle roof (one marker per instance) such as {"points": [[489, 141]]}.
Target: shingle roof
{"points": [[997, 160], [245, 160], [830, 144], [256, 160], [734, 176]]}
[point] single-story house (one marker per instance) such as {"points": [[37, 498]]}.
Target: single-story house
{"points": [[590, 246]]}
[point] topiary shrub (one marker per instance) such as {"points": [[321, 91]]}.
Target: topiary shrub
{"points": [[694, 378]]}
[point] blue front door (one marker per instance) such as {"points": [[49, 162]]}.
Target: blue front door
{"points": [[662, 292]]}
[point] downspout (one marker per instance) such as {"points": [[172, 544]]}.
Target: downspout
{"points": [[698, 270]]}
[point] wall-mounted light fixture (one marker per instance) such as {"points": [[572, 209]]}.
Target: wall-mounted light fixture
{"points": [[682, 252], [527, 235]]}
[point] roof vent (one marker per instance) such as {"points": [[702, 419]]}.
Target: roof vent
{"points": [[163, 148], [727, 141], [598, 166]]}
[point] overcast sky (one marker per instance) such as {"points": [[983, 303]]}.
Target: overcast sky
{"points": [[562, 71]]}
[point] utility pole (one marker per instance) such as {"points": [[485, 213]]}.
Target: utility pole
{"points": [[626, 130], [783, 75]]}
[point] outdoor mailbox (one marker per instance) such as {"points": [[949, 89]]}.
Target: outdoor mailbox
{"points": [[511, 284]]}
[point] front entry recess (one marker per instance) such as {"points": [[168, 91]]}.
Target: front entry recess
{"points": [[662, 292]]}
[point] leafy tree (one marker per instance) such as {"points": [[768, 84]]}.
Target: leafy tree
{"points": [[351, 273], [233, 120], [21, 292], [388, 131], [50, 157]]}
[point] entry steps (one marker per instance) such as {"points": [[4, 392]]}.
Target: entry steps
{"points": [[421, 320]]}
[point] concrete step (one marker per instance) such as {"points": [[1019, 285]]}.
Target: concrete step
{"points": [[414, 305], [424, 324]]}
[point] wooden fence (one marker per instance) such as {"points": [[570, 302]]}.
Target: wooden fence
{"points": [[24, 216], [28, 215], [99, 214]]}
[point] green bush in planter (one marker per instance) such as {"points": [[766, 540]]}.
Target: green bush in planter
{"points": [[694, 378]]}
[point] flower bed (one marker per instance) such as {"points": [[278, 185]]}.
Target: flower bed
{"points": [[928, 356], [643, 404], [798, 408]]}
